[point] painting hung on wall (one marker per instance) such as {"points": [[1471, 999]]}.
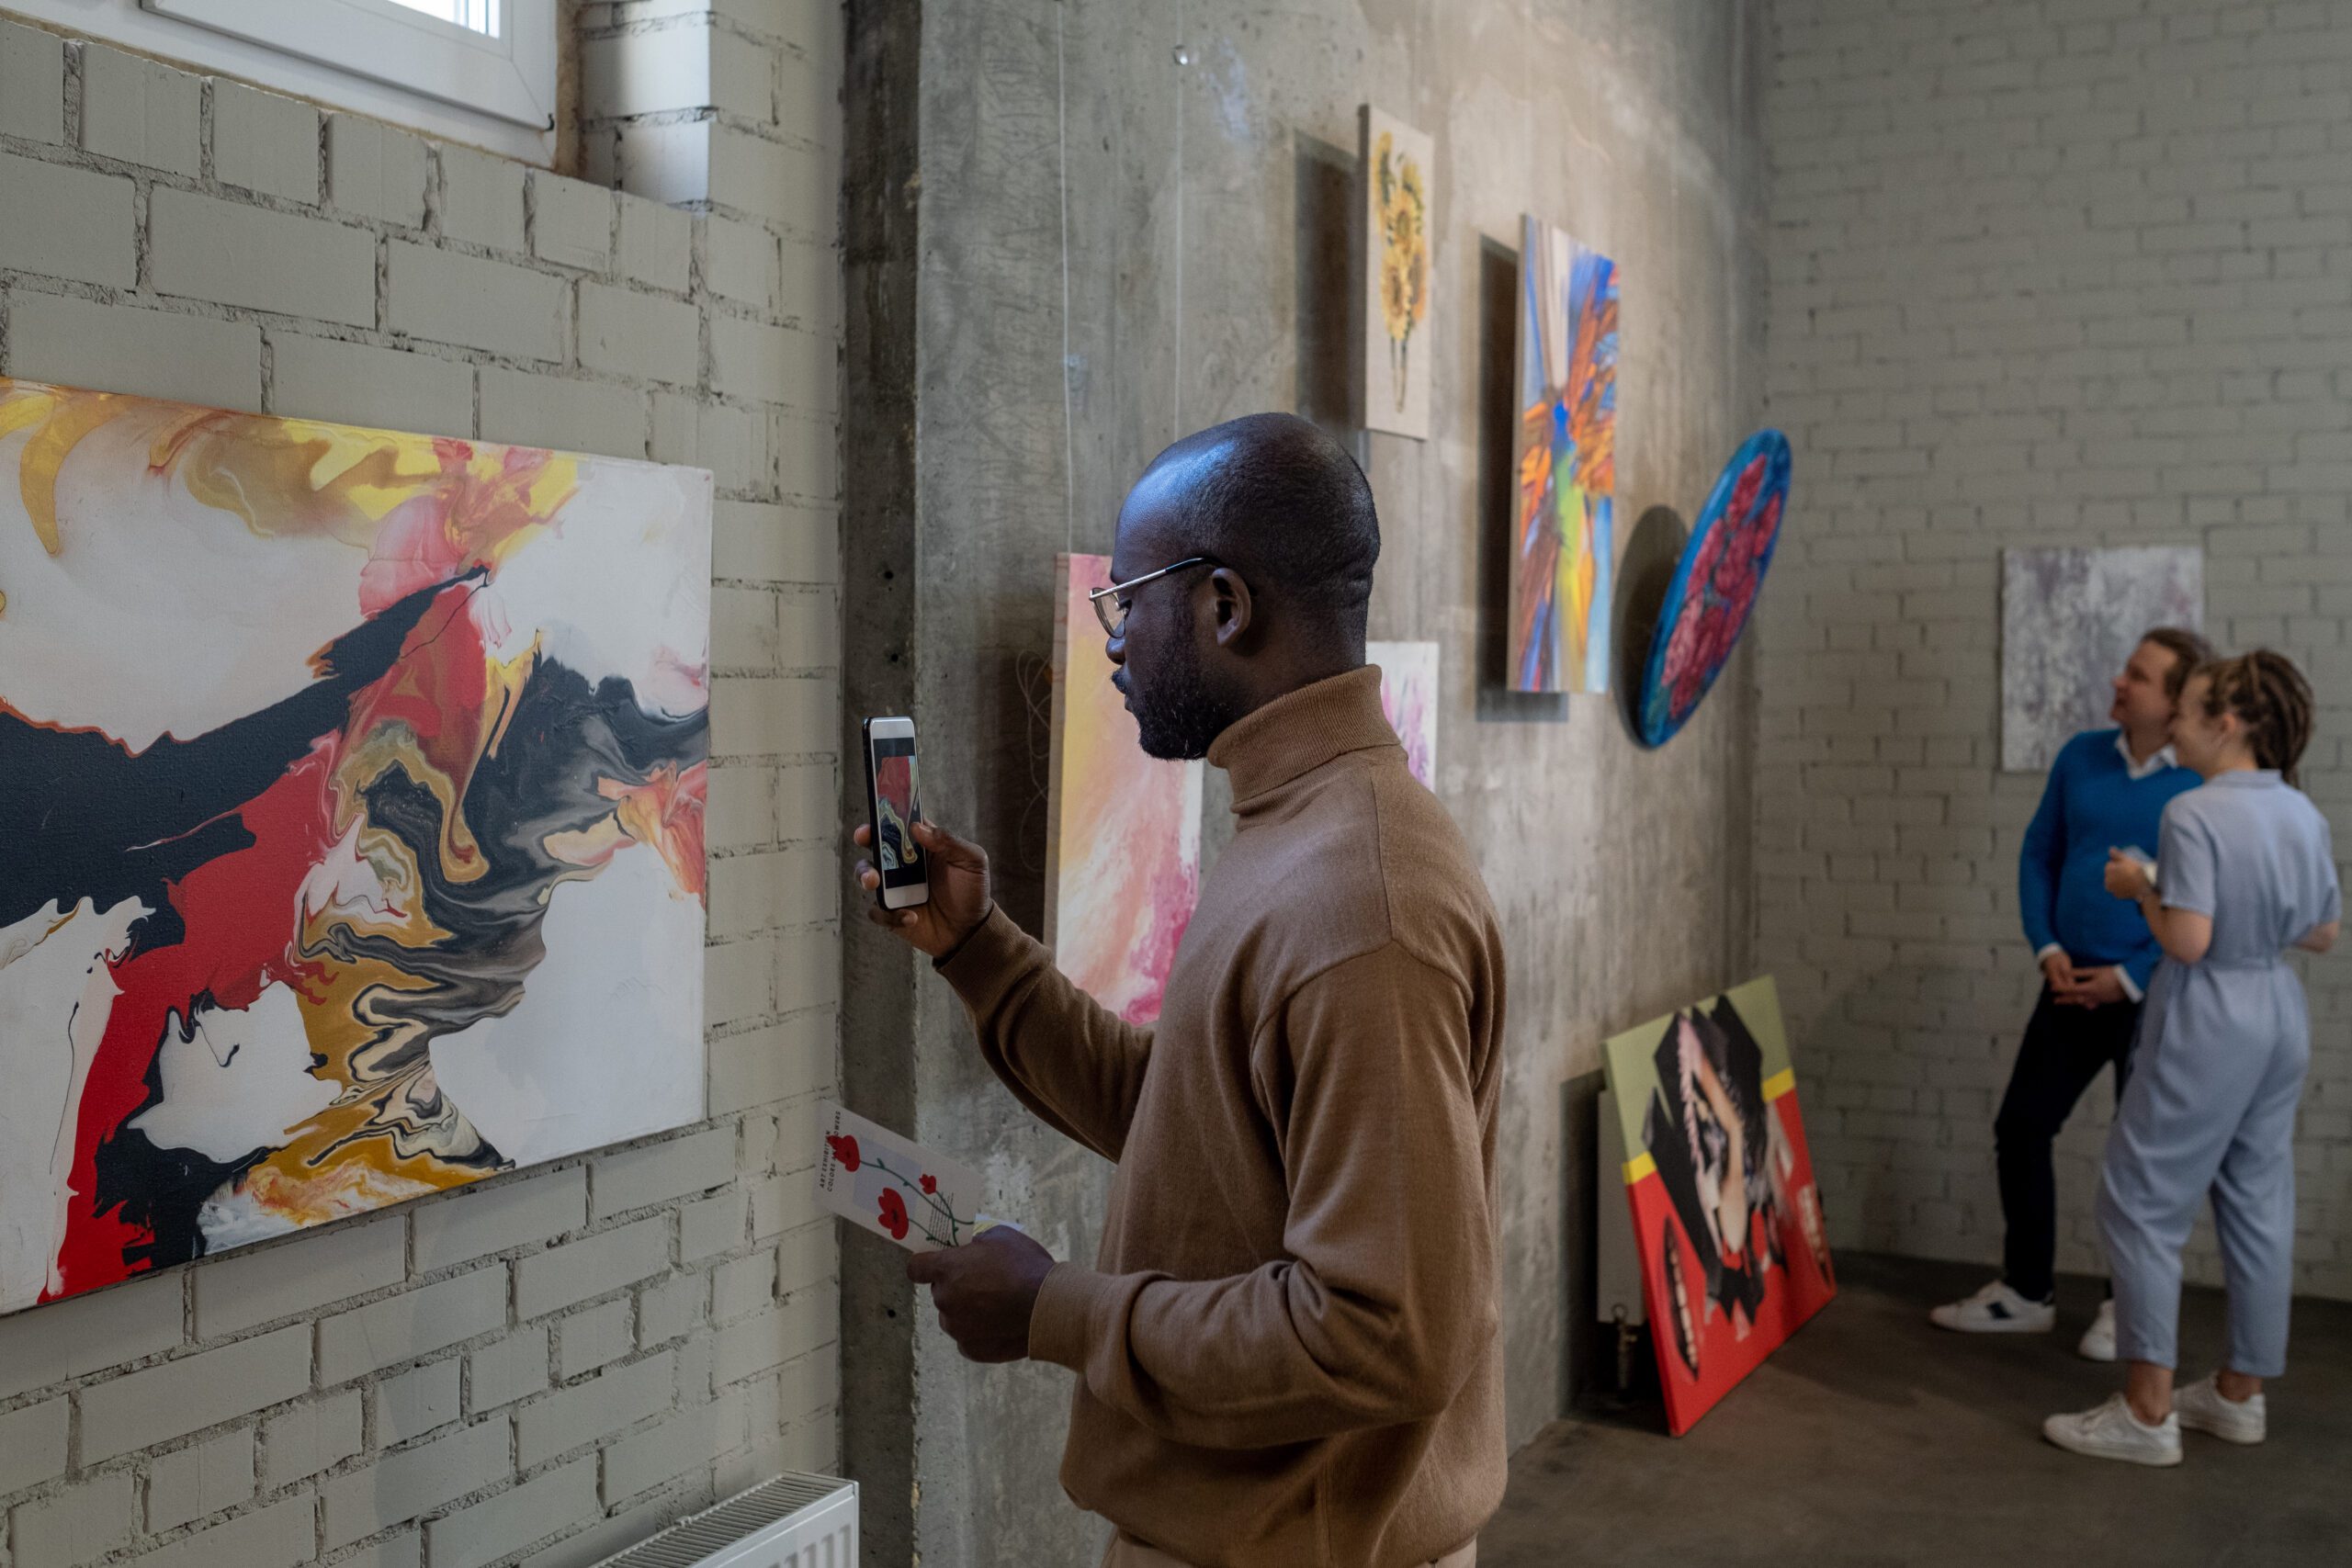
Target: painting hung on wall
{"points": [[1565, 454], [2070, 619], [351, 821], [1733, 1254], [1398, 361], [1714, 588], [1123, 830], [1408, 695]]}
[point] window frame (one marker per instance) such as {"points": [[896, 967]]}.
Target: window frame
{"points": [[510, 77], [191, 46]]}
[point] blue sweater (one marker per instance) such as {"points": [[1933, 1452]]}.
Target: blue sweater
{"points": [[2093, 805]]}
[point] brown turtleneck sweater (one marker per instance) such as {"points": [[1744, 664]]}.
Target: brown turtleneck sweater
{"points": [[1289, 1349]]}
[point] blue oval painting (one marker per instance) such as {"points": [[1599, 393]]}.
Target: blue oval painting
{"points": [[1714, 588]]}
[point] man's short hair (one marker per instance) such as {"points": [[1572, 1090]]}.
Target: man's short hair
{"points": [[1282, 503], [2188, 650]]}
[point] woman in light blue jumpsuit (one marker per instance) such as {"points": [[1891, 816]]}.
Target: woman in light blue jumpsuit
{"points": [[2247, 871]]}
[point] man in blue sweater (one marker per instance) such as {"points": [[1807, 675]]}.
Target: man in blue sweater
{"points": [[2108, 790]]}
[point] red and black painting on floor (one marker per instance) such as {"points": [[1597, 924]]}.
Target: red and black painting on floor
{"points": [[1725, 1212]]}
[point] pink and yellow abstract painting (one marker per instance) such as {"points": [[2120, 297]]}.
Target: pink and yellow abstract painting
{"points": [[351, 821], [1123, 858], [1408, 695]]}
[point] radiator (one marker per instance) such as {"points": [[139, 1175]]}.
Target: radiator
{"points": [[793, 1521]]}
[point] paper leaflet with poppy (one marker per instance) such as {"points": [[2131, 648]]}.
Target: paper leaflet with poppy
{"points": [[1726, 1216], [893, 1186]]}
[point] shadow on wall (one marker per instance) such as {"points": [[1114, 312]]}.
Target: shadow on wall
{"points": [[1330, 348], [1642, 577], [1497, 417]]}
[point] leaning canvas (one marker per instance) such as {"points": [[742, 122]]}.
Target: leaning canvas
{"points": [[1565, 458], [1409, 696], [1122, 831], [1396, 281], [351, 821], [1726, 1218], [2070, 619]]}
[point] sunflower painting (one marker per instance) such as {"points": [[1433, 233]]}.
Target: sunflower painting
{"points": [[1397, 211]]}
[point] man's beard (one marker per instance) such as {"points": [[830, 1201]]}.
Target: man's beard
{"points": [[1179, 712]]}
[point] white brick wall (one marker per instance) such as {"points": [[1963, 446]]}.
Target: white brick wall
{"points": [[2043, 272], [531, 1370]]}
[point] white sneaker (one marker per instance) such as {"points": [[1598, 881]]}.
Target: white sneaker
{"points": [[2097, 1343], [2202, 1408], [2111, 1431], [1996, 1309]]}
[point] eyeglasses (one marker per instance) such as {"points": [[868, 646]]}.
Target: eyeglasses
{"points": [[1112, 613]]}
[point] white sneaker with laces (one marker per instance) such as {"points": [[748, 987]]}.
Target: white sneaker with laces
{"points": [[2202, 1408], [2097, 1343], [1996, 1309], [2111, 1431]]}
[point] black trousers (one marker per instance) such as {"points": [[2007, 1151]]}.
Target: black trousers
{"points": [[2064, 1049]]}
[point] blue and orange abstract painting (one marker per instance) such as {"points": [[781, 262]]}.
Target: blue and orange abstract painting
{"points": [[351, 821], [1565, 459]]}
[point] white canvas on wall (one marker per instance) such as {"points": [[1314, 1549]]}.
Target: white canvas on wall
{"points": [[2070, 619]]}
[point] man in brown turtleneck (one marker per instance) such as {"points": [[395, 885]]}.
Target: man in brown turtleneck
{"points": [[1288, 1350]]}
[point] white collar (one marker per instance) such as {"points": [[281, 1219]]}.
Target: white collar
{"points": [[2158, 760]]}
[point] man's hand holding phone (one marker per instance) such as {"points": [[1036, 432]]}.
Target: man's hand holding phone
{"points": [[959, 892]]}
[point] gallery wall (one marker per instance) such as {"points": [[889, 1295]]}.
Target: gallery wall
{"points": [[547, 1366], [2042, 274], [1076, 232]]}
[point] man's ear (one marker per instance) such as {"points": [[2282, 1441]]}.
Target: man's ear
{"points": [[1232, 610]]}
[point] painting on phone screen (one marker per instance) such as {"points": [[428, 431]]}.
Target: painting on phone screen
{"points": [[897, 806], [351, 824], [1726, 1210]]}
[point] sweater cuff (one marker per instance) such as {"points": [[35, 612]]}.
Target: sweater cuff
{"points": [[991, 962], [1061, 1325]]}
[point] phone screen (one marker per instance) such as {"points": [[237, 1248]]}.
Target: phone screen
{"points": [[897, 806]]}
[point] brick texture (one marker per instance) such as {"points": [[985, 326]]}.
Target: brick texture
{"points": [[531, 1370], [2043, 272]]}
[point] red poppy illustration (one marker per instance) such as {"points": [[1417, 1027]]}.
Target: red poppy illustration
{"points": [[930, 1184], [845, 1149], [894, 1214]]}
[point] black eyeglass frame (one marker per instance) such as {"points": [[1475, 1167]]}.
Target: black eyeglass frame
{"points": [[1106, 606]]}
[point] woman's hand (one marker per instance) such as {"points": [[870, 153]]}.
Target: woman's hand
{"points": [[2127, 877]]}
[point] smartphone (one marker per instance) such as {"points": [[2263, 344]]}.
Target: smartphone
{"points": [[894, 805]]}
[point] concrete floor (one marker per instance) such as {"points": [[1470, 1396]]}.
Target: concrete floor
{"points": [[1874, 1437]]}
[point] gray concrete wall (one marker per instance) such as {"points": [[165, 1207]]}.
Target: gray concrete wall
{"points": [[1207, 209]]}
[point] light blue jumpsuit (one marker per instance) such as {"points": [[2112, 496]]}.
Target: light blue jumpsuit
{"points": [[2217, 1069]]}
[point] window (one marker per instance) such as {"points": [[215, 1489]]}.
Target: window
{"points": [[495, 57]]}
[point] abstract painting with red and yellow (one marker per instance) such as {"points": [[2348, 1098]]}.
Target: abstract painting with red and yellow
{"points": [[351, 821], [1727, 1213]]}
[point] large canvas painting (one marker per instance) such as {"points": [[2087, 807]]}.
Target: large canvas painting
{"points": [[1715, 585], [1398, 359], [2070, 619], [1726, 1218], [1123, 833], [1565, 454], [351, 821], [1409, 696]]}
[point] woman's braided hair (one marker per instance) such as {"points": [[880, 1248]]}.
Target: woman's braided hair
{"points": [[2273, 701]]}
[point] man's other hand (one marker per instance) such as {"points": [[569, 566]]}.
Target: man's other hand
{"points": [[986, 1292], [2056, 968], [958, 874], [2096, 987]]}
